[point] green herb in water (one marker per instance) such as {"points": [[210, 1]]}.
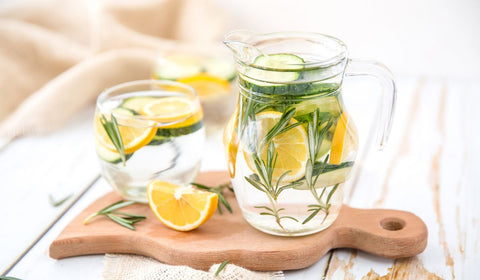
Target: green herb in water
{"points": [[124, 219], [111, 127]]}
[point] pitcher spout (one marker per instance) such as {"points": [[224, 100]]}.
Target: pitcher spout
{"points": [[241, 43]]}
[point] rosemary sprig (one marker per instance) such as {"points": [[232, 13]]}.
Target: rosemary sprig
{"points": [[219, 191], [316, 134], [221, 267], [263, 181], [56, 203], [124, 219], [111, 127], [9, 278]]}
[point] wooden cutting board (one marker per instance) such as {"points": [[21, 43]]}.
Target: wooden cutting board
{"points": [[386, 233]]}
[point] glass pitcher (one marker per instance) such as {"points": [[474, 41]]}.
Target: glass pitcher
{"points": [[291, 144]]}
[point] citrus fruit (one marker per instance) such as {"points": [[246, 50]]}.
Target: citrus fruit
{"points": [[179, 207], [133, 136], [169, 109], [344, 139], [207, 85], [230, 142], [290, 146]]}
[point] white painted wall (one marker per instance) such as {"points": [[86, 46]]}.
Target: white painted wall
{"points": [[413, 37]]}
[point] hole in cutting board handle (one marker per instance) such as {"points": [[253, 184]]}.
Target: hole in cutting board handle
{"points": [[392, 224]]}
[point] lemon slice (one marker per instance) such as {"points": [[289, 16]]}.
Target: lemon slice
{"points": [[344, 140], [291, 147], [207, 86], [178, 207], [230, 142], [133, 136], [169, 109]]}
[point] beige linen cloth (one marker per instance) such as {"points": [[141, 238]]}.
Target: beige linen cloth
{"points": [[129, 267], [56, 56]]}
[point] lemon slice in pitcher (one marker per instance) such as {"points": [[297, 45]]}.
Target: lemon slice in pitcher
{"points": [[290, 146], [179, 207], [344, 140]]}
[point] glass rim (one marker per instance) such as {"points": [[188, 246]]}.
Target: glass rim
{"points": [[255, 38], [104, 95]]}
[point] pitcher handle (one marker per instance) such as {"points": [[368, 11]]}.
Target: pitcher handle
{"points": [[358, 67]]}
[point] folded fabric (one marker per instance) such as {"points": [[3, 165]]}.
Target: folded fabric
{"points": [[56, 56], [133, 267]]}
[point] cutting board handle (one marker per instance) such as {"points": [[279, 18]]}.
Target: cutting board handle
{"points": [[382, 232]]}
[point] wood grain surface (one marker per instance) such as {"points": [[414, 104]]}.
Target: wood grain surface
{"points": [[386, 233]]}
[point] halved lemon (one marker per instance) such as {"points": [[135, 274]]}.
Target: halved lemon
{"points": [[133, 135], [179, 207], [207, 85], [291, 147]]}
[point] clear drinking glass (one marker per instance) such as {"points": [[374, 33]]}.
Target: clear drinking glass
{"points": [[146, 130], [291, 143]]}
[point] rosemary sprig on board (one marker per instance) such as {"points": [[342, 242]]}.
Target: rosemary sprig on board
{"points": [[124, 219], [111, 128], [221, 267], [219, 191]]}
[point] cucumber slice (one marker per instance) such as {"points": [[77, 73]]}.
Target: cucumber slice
{"points": [[327, 104], [177, 67], [285, 68], [123, 111], [109, 156], [331, 175], [220, 68], [136, 103], [164, 134]]}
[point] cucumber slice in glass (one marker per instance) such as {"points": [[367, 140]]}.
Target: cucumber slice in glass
{"points": [[136, 103], [109, 156], [220, 68], [178, 66]]}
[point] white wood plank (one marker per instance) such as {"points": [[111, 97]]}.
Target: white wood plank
{"points": [[432, 177], [368, 187], [36, 264], [468, 211], [32, 168]]}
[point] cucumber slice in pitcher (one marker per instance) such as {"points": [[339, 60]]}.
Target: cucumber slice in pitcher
{"points": [[331, 175], [277, 77], [286, 67], [328, 104]]}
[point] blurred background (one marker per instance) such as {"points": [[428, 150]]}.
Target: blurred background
{"points": [[428, 37]]}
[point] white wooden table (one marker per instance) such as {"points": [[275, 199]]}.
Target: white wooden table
{"points": [[429, 168]]}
